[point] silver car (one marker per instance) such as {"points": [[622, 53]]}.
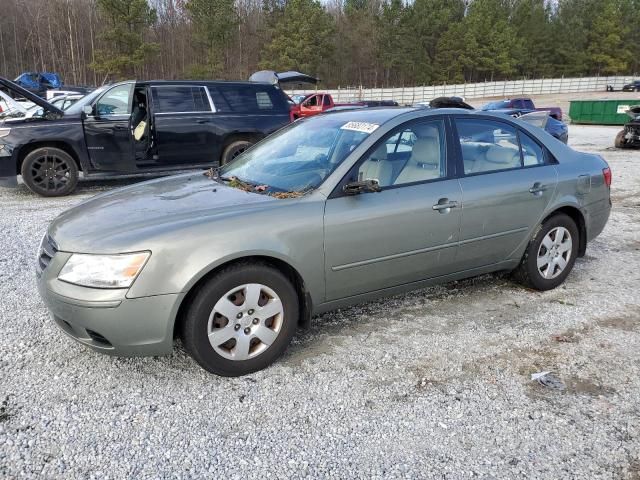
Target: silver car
{"points": [[329, 211]]}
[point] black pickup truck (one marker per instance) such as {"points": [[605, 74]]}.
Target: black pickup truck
{"points": [[135, 127]]}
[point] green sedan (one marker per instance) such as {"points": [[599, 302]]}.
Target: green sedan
{"points": [[330, 211]]}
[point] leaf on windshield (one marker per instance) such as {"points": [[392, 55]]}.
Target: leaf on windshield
{"points": [[283, 195], [210, 173]]}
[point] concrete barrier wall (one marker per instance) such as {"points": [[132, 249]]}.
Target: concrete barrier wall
{"points": [[410, 95]]}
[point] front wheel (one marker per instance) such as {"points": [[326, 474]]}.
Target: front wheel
{"points": [[550, 255], [241, 320], [49, 172]]}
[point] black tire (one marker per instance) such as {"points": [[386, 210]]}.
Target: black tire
{"points": [[527, 272], [234, 149], [620, 141], [195, 327], [49, 172]]}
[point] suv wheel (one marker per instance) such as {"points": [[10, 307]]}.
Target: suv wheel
{"points": [[49, 172], [550, 255], [234, 149], [241, 320]]}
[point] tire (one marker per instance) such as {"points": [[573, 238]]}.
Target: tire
{"points": [[620, 141], [530, 274], [49, 172], [227, 292], [234, 149]]}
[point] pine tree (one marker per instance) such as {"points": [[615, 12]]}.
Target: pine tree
{"points": [[214, 23], [123, 37]]}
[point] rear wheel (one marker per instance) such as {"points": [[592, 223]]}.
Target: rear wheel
{"points": [[241, 320], [550, 255], [50, 172], [234, 149]]}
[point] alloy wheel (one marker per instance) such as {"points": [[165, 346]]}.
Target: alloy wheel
{"points": [[50, 172]]}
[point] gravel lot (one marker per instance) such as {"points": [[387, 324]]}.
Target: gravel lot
{"points": [[435, 384]]}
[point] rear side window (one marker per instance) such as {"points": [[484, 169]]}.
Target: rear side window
{"points": [[181, 99], [244, 98], [532, 153], [488, 146]]}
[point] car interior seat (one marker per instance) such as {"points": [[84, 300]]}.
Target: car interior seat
{"points": [[426, 157], [498, 157], [377, 167]]}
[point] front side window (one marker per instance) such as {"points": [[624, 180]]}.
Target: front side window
{"points": [[181, 99], [488, 145], [416, 153], [116, 101]]}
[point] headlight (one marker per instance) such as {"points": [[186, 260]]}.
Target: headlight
{"points": [[103, 271], [4, 132]]}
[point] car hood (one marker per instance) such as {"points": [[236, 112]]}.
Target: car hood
{"points": [[22, 92], [119, 219]]}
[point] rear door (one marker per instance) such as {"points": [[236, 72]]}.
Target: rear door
{"points": [[107, 131], [507, 181], [182, 117]]}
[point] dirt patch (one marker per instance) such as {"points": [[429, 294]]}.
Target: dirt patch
{"points": [[628, 322]]}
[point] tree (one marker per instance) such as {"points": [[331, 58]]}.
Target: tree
{"points": [[124, 47], [214, 23], [428, 21], [607, 51], [301, 39]]}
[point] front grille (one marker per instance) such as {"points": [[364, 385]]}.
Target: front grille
{"points": [[48, 249]]}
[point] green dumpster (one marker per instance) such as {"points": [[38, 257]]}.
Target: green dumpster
{"points": [[601, 112]]}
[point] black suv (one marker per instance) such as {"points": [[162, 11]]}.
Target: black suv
{"points": [[134, 127]]}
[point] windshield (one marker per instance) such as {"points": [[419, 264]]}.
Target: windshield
{"points": [[86, 100], [496, 105], [299, 157]]}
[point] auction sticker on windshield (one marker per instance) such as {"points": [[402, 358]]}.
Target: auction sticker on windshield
{"points": [[363, 127]]}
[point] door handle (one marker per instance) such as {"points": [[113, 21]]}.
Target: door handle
{"points": [[444, 205], [120, 127], [537, 188], [202, 121]]}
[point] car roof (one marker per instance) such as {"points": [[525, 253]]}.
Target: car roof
{"points": [[381, 115], [200, 82]]}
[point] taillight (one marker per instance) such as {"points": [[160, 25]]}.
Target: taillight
{"points": [[606, 173]]}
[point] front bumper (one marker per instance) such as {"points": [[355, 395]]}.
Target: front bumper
{"points": [[106, 320]]}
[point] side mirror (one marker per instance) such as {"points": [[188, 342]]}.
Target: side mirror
{"points": [[87, 110], [368, 185]]}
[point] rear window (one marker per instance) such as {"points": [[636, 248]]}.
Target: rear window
{"points": [[248, 98], [181, 99]]}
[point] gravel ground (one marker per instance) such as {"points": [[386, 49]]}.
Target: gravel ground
{"points": [[434, 384]]}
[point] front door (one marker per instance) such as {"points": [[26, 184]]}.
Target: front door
{"points": [[107, 131], [406, 232], [312, 105], [507, 184]]}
